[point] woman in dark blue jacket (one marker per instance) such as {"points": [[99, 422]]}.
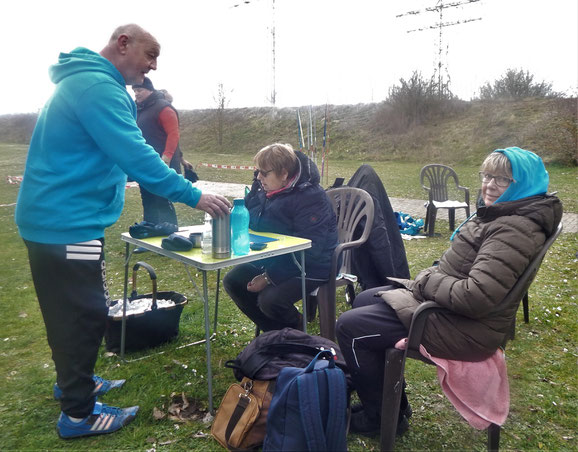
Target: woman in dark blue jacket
{"points": [[285, 198]]}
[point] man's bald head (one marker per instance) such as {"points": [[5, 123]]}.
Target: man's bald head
{"points": [[133, 51], [133, 31]]}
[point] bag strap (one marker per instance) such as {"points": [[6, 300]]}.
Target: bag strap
{"points": [[327, 354], [291, 347], [153, 277], [242, 405], [309, 407], [256, 361], [336, 421]]}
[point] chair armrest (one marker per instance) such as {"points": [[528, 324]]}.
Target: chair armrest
{"points": [[337, 252], [418, 320], [422, 180], [466, 193]]}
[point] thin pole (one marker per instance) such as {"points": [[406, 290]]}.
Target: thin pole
{"points": [[299, 131]]}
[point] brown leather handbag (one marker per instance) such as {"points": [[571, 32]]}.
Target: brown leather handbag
{"points": [[241, 420]]}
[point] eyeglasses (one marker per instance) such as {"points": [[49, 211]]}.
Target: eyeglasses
{"points": [[263, 173], [501, 181]]}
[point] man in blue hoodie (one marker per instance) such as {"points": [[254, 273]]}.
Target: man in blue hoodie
{"points": [[85, 143]]}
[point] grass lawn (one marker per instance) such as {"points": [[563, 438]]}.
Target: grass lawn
{"points": [[541, 361]]}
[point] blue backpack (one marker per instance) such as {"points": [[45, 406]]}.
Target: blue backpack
{"points": [[309, 408]]}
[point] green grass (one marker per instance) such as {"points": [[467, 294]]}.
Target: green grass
{"points": [[541, 361]]}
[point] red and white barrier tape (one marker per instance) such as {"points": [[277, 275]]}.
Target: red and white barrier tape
{"points": [[14, 179], [241, 167]]}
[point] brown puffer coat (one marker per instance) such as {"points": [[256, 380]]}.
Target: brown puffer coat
{"points": [[474, 275]]}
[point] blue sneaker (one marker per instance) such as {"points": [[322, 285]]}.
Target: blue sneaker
{"points": [[104, 419], [101, 387]]}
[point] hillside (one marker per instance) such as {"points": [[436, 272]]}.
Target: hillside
{"points": [[547, 126]]}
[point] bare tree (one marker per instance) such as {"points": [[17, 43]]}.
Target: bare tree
{"points": [[222, 100]]}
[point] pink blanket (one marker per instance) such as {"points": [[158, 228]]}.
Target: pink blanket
{"points": [[478, 390]]}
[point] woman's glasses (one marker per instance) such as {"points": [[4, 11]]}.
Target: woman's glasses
{"points": [[501, 181], [262, 173]]}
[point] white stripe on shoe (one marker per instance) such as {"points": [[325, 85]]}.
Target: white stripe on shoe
{"points": [[109, 421], [102, 423]]}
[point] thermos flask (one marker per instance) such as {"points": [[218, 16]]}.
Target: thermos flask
{"points": [[222, 237]]}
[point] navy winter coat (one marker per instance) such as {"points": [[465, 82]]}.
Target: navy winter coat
{"points": [[302, 210]]}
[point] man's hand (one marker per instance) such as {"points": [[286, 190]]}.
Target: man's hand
{"points": [[214, 205], [166, 160]]}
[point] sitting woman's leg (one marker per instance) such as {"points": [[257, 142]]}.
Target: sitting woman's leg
{"points": [[363, 334], [235, 284], [369, 296], [272, 308], [277, 303]]}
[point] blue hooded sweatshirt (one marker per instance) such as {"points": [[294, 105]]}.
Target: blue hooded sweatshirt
{"points": [[85, 142]]}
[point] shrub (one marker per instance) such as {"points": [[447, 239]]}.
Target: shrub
{"points": [[413, 102], [516, 84]]}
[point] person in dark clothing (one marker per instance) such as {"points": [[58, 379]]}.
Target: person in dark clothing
{"points": [[159, 123], [488, 253], [285, 198]]}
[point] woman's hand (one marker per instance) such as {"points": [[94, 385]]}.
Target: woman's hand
{"points": [[258, 283]]}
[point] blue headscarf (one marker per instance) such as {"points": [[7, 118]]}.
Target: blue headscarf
{"points": [[529, 174]]}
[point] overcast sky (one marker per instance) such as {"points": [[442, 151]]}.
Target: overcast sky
{"points": [[335, 51]]}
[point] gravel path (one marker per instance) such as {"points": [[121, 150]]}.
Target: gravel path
{"points": [[414, 207]]}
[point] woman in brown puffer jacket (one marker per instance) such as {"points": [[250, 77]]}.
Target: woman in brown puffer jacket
{"points": [[487, 255]]}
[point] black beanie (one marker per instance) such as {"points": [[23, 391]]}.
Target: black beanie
{"points": [[146, 84]]}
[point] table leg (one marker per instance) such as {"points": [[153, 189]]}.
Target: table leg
{"points": [[124, 301], [208, 341], [303, 291], [217, 300]]}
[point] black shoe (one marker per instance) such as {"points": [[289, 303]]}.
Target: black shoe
{"points": [[311, 308], [364, 425], [140, 250], [407, 411], [402, 425]]}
